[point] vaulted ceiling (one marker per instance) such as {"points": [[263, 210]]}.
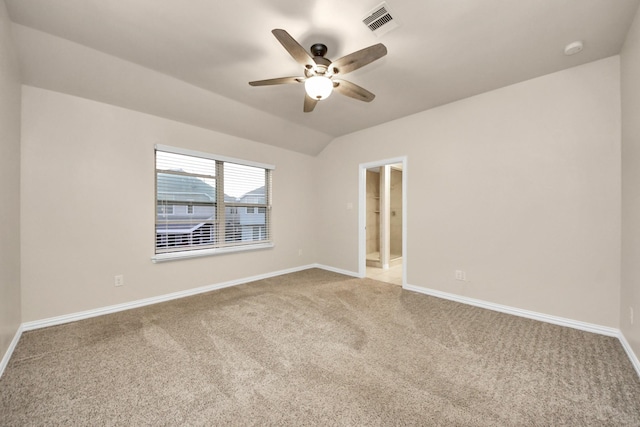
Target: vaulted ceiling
{"points": [[192, 60]]}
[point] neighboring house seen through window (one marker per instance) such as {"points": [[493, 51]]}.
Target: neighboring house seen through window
{"points": [[203, 202]]}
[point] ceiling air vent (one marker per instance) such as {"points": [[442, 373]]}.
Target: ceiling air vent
{"points": [[380, 20]]}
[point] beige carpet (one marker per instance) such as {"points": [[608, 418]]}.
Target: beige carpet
{"points": [[317, 348]]}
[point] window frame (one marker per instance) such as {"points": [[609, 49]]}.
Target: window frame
{"points": [[220, 206]]}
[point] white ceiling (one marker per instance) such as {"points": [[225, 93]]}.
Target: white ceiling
{"points": [[192, 60]]}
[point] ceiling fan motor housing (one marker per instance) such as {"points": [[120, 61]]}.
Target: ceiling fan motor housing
{"points": [[319, 49]]}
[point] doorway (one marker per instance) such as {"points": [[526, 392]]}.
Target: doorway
{"points": [[382, 221]]}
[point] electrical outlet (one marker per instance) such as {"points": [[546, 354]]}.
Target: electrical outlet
{"points": [[461, 275], [631, 315], [299, 252], [119, 280]]}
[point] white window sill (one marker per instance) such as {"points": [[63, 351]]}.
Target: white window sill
{"points": [[173, 256]]}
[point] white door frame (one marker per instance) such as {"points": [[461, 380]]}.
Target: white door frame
{"points": [[362, 214]]}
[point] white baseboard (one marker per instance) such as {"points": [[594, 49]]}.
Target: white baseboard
{"points": [[52, 321], [73, 317], [58, 320], [9, 352], [338, 270], [561, 321], [632, 356]]}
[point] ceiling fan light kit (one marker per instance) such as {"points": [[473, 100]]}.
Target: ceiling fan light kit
{"points": [[318, 87], [319, 72]]}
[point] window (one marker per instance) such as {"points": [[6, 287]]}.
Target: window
{"points": [[164, 209], [202, 201]]}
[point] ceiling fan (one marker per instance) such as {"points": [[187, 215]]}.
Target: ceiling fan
{"points": [[320, 73]]}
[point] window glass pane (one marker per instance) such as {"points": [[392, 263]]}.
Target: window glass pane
{"points": [[240, 226], [182, 189], [189, 164], [182, 235], [246, 184], [232, 226]]}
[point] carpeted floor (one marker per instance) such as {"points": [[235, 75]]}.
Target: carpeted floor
{"points": [[317, 348]]}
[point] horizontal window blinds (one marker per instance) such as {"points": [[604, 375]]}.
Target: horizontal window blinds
{"points": [[204, 202]]}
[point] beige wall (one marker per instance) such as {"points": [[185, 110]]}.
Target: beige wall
{"points": [[630, 85], [9, 186], [519, 187], [88, 206]]}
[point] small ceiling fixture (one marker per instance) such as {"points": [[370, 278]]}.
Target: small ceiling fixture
{"points": [[573, 48]]}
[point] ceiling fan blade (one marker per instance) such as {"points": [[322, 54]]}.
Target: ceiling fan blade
{"points": [[278, 81], [309, 103], [293, 47], [352, 90], [358, 59]]}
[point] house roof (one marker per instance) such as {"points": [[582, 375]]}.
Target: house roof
{"points": [[258, 193], [186, 188]]}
